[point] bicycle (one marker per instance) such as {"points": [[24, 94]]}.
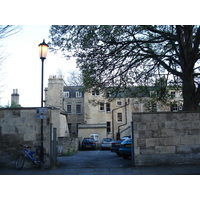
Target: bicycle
{"points": [[34, 156]]}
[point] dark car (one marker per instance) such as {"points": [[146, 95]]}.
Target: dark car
{"points": [[106, 143], [125, 149], [88, 143], [115, 145]]}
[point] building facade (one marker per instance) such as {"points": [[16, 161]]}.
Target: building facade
{"points": [[93, 112], [69, 99], [74, 105], [116, 114]]}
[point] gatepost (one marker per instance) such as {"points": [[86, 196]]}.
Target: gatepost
{"points": [[132, 146]]}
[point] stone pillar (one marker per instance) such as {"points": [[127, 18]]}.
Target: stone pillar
{"points": [[54, 92]]}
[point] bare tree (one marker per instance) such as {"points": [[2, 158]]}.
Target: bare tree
{"points": [[72, 78], [5, 31], [8, 30]]}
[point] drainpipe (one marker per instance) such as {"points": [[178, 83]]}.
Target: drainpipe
{"points": [[125, 115], [113, 116]]}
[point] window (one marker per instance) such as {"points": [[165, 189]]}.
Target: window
{"points": [[95, 92], [78, 94], [154, 107], [119, 103], [78, 109], [119, 117], [70, 127], [173, 94], [174, 108], [107, 107], [66, 94], [101, 106], [108, 127], [69, 109]]}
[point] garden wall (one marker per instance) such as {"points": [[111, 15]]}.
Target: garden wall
{"points": [[21, 126], [67, 145], [166, 138]]}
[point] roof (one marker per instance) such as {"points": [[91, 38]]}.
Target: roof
{"points": [[72, 90]]}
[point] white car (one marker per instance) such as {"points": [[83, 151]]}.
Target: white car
{"points": [[106, 143]]}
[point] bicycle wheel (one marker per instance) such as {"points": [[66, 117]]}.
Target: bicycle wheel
{"points": [[48, 161], [19, 163]]}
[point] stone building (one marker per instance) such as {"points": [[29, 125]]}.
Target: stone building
{"points": [[112, 118], [74, 105], [93, 112], [54, 92], [66, 98]]}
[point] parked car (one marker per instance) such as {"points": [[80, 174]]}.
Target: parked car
{"points": [[115, 145], [125, 149], [88, 143], [106, 143], [95, 137]]}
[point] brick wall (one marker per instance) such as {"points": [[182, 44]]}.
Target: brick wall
{"points": [[166, 138]]}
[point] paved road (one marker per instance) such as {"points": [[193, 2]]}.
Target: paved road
{"points": [[94, 159], [102, 163]]}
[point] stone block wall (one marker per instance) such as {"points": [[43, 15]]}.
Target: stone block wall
{"points": [[21, 126], [166, 138], [67, 145], [84, 130]]}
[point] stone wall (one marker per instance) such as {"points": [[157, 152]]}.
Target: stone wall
{"points": [[84, 130], [21, 126], [67, 145], [166, 138]]}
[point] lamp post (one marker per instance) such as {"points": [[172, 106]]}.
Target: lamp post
{"points": [[43, 48]]}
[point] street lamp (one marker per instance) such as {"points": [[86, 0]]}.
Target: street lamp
{"points": [[43, 48]]}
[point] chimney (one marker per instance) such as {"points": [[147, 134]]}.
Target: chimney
{"points": [[15, 97]]}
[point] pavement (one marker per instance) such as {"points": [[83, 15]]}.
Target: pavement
{"points": [[101, 163], [157, 170]]}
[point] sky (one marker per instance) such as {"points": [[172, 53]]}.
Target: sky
{"points": [[22, 67]]}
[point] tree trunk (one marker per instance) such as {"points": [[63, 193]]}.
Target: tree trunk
{"points": [[190, 94], [188, 57]]}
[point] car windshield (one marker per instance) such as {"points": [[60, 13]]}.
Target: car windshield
{"points": [[128, 140], [107, 140], [88, 140]]}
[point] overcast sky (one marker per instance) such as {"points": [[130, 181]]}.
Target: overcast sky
{"points": [[22, 67]]}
